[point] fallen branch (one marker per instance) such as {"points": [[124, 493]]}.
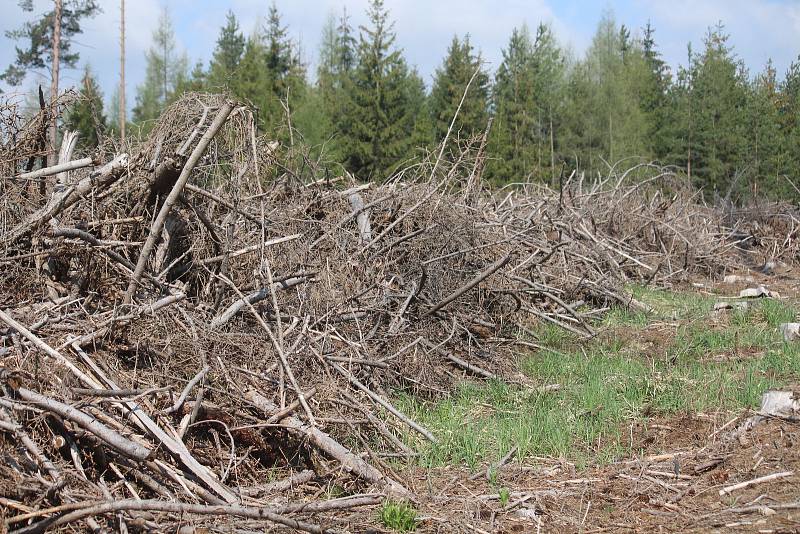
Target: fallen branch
{"points": [[362, 217], [383, 402], [491, 269], [89, 509], [324, 442], [185, 393], [284, 485], [56, 169], [87, 422], [253, 298], [99, 179], [458, 361], [759, 480], [251, 248]]}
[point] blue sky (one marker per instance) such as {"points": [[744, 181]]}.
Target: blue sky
{"points": [[760, 29]]}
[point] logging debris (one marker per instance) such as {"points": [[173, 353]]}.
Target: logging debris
{"points": [[187, 317]]}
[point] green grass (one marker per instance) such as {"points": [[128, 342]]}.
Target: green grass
{"points": [[608, 382], [398, 516]]}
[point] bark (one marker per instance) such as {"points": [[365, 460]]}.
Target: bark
{"points": [[54, 79]]}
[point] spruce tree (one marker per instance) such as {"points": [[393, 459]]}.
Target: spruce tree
{"points": [[549, 69], [422, 133], [86, 116], [279, 55], [512, 140], [227, 54], [164, 71], [719, 101], [251, 82], [654, 94], [378, 135], [284, 70], [449, 83], [195, 81]]}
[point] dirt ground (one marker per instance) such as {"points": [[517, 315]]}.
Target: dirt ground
{"points": [[673, 487]]}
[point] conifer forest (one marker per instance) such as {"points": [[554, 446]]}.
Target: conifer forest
{"points": [[731, 130]]}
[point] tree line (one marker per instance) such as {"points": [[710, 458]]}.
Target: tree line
{"points": [[729, 131]]}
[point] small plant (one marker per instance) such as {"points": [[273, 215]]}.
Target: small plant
{"points": [[505, 497], [398, 516], [492, 476]]}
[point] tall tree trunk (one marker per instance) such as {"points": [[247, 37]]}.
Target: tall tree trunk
{"points": [[552, 152], [122, 106], [52, 156]]}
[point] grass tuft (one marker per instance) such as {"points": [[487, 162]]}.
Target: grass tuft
{"points": [[398, 516]]}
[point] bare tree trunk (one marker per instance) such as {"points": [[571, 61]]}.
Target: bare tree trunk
{"points": [[552, 153], [122, 107], [52, 155]]}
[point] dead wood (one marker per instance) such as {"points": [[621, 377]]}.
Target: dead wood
{"points": [[87, 422], [352, 291], [324, 442], [186, 172]]}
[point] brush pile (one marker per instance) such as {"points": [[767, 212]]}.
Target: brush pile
{"points": [[206, 325]]}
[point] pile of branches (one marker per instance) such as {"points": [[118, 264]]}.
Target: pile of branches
{"points": [[210, 323]]}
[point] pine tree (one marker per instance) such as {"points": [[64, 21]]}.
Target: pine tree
{"points": [[164, 72], [512, 139], [48, 43], [337, 58], [605, 119], [326, 66], [449, 83], [378, 136], [335, 82], [86, 116], [677, 143], [37, 36], [113, 113], [227, 54]]}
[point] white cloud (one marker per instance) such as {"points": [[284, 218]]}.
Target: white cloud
{"points": [[759, 29]]}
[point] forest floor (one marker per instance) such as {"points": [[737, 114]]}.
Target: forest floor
{"points": [[631, 431]]}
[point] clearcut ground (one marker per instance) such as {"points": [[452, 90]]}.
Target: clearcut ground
{"points": [[656, 392]]}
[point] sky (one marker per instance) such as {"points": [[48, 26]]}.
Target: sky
{"points": [[760, 29]]}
